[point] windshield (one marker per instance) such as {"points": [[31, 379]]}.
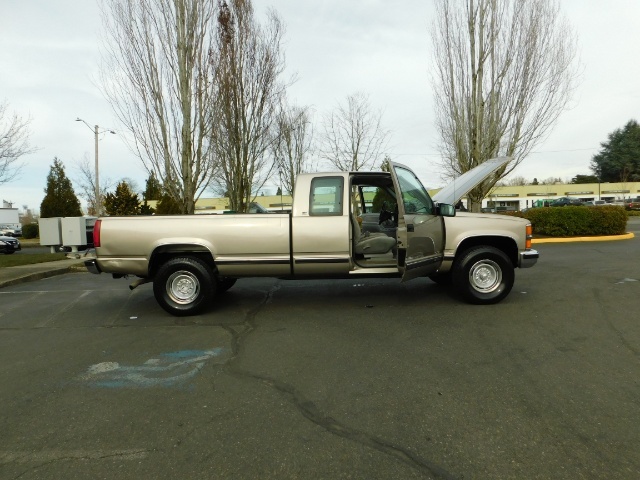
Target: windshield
{"points": [[415, 197]]}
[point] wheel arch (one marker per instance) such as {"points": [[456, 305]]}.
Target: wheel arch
{"points": [[505, 244], [163, 253]]}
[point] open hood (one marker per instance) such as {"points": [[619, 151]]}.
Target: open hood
{"points": [[465, 182]]}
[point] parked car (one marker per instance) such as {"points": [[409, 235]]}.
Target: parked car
{"points": [[7, 231], [632, 204], [9, 245], [596, 203], [566, 201]]}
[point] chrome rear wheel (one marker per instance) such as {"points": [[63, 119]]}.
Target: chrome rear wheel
{"points": [[184, 285]]}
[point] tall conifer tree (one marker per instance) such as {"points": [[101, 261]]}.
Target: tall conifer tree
{"points": [[60, 200]]}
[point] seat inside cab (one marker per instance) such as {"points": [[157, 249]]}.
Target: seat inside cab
{"points": [[374, 223]]}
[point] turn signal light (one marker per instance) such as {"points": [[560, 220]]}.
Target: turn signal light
{"points": [[529, 232]]}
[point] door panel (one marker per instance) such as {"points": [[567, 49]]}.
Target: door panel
{"points": [[320, 233], [424, 251], [321, 245], [420, 230]]}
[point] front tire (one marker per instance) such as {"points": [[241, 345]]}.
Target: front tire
{"points": [[483, 275], [184, 286]]}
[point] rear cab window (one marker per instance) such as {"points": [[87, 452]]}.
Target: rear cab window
{"points": [[326, 196]]}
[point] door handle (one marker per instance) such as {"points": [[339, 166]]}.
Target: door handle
{"points": [[410, 228]]}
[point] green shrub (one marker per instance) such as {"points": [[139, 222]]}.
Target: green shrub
{"points": [[577, 221], [30, 230]]}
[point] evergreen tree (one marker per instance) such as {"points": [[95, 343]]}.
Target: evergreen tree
{"points": [[382, 198], [386, 164], [619, 158], [578, 179], [122, 202], [167, 205], [153, 191], [60, 200]]}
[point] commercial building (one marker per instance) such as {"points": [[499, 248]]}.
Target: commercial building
{"points": [[527, 196]]}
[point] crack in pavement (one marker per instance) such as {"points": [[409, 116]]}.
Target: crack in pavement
{"points": [[311, 412], [48, 457], [55, 455]]}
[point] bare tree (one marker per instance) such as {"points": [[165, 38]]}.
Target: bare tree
{"points": [[517, 181], [292, 144], [504, 70], [353, 137], [551, 181], [14, 142], [155, 75], [85, 183], [247, 63]]}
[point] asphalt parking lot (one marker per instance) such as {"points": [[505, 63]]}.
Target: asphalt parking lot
{"points": [[329, 379]]}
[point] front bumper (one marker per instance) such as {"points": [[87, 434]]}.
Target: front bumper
{"points": [[92, 266], [528, 258]]}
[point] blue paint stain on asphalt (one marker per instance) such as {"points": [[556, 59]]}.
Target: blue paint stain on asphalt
{"points": [[167, 370], [192, 353]]}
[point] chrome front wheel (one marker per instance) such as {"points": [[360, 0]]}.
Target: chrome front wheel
{"points": [[485, 276]]}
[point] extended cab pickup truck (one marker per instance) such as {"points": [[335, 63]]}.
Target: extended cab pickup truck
{"points": [[328, 234]]}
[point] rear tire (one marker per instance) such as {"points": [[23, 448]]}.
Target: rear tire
{"points": [[483, 275], [184, 286]]}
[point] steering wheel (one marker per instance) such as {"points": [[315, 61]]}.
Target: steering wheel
{"points": [[385, 214]]}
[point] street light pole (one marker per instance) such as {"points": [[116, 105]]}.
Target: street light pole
{"points": [[98, 203], [96, 133]]}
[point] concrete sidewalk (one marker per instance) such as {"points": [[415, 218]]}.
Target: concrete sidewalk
{"points": [[37, 271]]}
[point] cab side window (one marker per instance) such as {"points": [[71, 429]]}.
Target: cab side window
{"points": [[326, 196]]}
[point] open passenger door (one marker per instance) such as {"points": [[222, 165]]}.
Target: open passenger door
{"points": [[420, 231]]}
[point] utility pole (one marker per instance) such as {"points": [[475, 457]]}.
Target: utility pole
{"points": [[96, 133]]}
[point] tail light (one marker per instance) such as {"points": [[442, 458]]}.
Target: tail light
{"points": [[96, 234], [529, 232]]}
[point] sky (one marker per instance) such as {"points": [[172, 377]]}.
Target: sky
{"points": [[50, 55]]}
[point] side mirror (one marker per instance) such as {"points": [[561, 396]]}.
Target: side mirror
{"points": [[446, 210]]}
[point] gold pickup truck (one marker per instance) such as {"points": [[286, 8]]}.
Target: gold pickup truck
{"points": [[192, 258]]}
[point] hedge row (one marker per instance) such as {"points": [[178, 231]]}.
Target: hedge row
{"points": [[30, 230], [576, 221]]}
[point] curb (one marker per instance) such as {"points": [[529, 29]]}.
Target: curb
{"points": [[609, 238], [29, 277]]}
